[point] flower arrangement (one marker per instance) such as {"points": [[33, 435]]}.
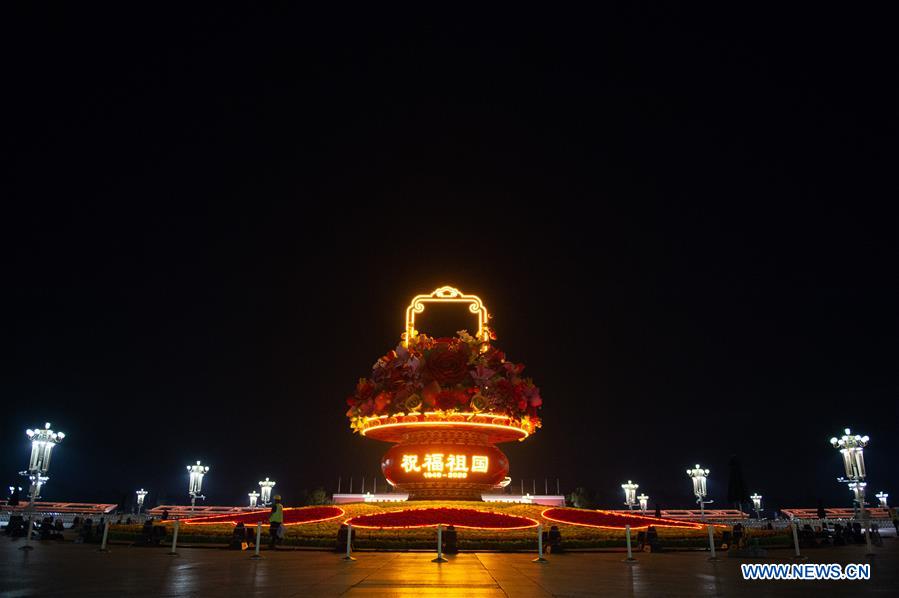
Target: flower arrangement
{"points": [[429, 517], [457, 374]]}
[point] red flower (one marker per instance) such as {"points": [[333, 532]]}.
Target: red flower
{"points": [[381, 401], [364, 389], [504, 391], [447, 363], [446, 515], [495, 358], [448, 399]]}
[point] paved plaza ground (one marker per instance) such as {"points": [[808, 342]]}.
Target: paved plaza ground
{"points": [[67, 569]]}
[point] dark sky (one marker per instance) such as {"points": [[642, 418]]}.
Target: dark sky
{"points": [[682, 220]]}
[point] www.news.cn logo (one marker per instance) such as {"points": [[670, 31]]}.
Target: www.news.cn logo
{"points": [[805, 571]]}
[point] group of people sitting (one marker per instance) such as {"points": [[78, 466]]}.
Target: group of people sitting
{"points": [[44, 529], [839, 535]]}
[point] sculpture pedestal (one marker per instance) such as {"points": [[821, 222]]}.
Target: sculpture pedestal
{"points": [[445, 464]]}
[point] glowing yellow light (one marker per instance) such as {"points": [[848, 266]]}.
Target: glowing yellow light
{"points": [[523, 427], [434, 462], [446, 294], [457, 464], [410, 463], [435, 466]]}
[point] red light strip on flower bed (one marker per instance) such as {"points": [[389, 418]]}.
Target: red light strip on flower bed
{"points": [[263, 516], [643, 521], [443, 512]]}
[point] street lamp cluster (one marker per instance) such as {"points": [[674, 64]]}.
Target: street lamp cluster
{"points": [[757, 504], [266, 486], [699, 475], [42, 442], [852, 447], [631, 499], [630, 494]]}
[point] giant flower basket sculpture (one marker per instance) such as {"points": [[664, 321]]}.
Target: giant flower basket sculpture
{"points": [[445, 403]]}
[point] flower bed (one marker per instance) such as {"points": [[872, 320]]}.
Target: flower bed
{"points": [[610, 520], [324, 533], [430, 517], [292, 516]]}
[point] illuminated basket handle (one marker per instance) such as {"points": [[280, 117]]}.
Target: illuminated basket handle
{"points": [[447, 295]]}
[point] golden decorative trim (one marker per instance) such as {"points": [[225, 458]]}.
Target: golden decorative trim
{"points": [[446, 294]]}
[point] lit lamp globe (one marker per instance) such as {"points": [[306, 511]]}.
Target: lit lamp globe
{"points": [[266, 486], [644, 502], [254, 496], [882, 497], [851, 447], [757, 504], [699, 476], [37, 483], [444, 404], [195, 482], [42, 442], [630, 494], [141, 495]]}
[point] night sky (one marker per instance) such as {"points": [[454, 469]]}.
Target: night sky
{"points": [[683, 222]]}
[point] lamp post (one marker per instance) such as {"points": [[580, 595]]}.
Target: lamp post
{"points": [[644, 500], [757, 504], [141, 495], [266, 485], [858, 492], [882, 497], [42, 443], [851, 447], [195, 484], [37, 482], [699, 475], [630, 494], [254, 496]]}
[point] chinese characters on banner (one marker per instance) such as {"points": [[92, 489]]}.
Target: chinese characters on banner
{"points": [[439, 465]]}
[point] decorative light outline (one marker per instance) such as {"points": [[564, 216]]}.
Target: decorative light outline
{"points": [[423, 525], [506, 427], [447, 294], [192, 521], [665, 522]]}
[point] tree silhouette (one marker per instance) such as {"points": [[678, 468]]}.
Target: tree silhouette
{"points": [[737, 493], [580, 498]]}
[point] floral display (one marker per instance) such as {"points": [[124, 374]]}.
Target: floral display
{"points": [[292, 516], [429, 517], [458, 374], [323, 533], [611, 520]]}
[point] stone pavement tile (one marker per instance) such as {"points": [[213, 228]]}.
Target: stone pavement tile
{"points": [[78, 570]]}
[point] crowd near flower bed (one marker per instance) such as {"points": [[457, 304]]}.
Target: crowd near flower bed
{"points": [[429, 517], [323, 533]]}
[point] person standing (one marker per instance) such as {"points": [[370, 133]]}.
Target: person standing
{"points": [[275, 520]]}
